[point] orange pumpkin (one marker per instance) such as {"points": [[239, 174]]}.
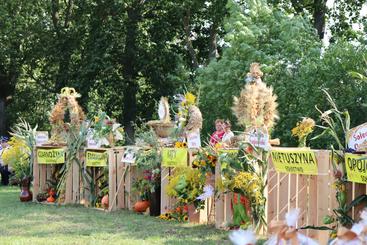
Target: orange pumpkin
{"points": [[104, 201], [141, 206], [51, 199]]}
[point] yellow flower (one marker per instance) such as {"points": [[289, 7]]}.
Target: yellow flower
{"points": [[303, 128], [96, 119], [190, 98]]}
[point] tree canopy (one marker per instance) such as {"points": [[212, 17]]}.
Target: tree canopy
{"points": [[123, 55]]}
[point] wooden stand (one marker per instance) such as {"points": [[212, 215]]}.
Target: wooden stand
{"points": [[42, 173]]}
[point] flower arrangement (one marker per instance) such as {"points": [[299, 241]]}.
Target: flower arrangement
{"points": [[178, 214], [186, 185], [205, 160], [249, 185], [17, 156], [188, 116], [107, 130], [302, 130], [239, 175]]}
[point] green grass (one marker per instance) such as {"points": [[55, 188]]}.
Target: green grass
{"points": [[31, 223]]}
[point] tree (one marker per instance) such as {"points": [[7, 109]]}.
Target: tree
{"points": [[340, 16], [257, 33]]}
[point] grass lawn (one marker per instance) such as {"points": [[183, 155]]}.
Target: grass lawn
{"points": [[30, 223]]}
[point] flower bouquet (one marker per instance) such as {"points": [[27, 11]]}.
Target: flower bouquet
{"points": [[107, 131], [186, 185]]}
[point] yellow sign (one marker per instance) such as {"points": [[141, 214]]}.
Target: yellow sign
{"points": [[96, 158], [294, 161], [51, 156], [356, 166], [174, 157]]}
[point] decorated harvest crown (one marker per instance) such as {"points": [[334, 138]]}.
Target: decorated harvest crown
{"points": [[66, 102]]}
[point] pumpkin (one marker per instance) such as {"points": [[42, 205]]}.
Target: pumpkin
{"points": [[104, 201], [50, 199], [141, 206]]}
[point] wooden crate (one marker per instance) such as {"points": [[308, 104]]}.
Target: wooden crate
{"points": [[313, 195], [114, 168], [121, 178], [42, 173]]}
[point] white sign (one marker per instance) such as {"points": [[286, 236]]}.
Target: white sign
{"points": [[91, 142], [193, 139], [357, 136], [130, 153], [259, 139], [41, 138]]}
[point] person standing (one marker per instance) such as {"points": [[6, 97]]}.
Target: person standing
{"points": [[4, 171], [228, 134], [217, 136]]}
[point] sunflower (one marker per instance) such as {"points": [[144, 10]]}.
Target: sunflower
{"points": [[190, 98]]}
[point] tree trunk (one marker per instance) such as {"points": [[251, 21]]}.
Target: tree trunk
{"points": [[213, 50], [189, 45], [319, 17], [130, 72], [2, 116]]}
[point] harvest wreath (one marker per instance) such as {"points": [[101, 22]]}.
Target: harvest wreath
{"points": [[66, 103]]}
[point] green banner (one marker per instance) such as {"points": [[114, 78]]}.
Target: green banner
{"points": [[51, 156], [174, 157], [96, 158]]}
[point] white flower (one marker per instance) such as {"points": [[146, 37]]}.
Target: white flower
{"points": [[242, 237], [208, 192]]}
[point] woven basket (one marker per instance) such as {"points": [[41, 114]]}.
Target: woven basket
{"points": [[162, 129]]}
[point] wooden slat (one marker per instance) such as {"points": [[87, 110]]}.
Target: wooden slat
{"points": [[302, 198], [112, 178], [69, 187], [43, 177], [165, 203], [219, 202], [359, 189], [272, 195], [323, 184], [283, 207], [120, 172], [312, 203], [36, 176]]}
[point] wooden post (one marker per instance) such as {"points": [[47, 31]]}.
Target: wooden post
{"points": [[111, 178], [36, 176], [120, 177]]}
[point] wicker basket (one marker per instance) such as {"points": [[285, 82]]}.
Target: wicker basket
{"points": [[162, 129]]}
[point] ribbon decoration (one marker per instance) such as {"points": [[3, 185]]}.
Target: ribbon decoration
{"points": [[66, 92]]}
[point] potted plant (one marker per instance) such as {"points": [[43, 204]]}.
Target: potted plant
{"points": [[19, 156], [148, 160], [142, 187]]}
